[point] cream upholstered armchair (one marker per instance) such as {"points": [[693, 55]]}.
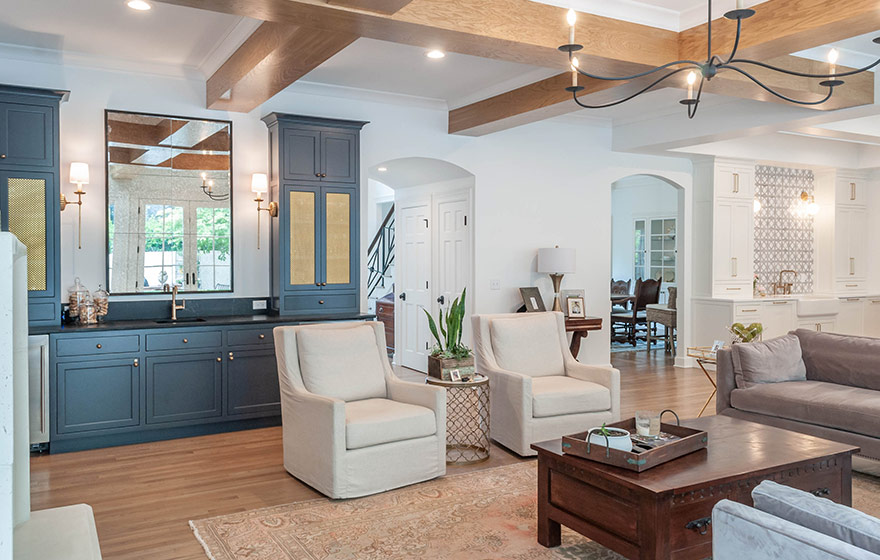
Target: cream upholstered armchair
{"points": [[351, 427], [538, 391]]}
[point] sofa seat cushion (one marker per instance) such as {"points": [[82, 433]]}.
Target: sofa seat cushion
{"points": [[529, 343], [376, 421], [342, 363], [557, 395], [851, 409]]}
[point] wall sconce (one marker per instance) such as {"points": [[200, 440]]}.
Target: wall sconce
{"points": [[79, 175], [260, 184], [809, 203]]}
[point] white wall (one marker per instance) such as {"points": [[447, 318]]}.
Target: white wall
{"points": [[529, 192], [636, 197]]}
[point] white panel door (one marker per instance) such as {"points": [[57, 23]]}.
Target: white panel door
{"points": [[858, 239], [453, 268], [778, 318], [413, 245], [851, 319]]}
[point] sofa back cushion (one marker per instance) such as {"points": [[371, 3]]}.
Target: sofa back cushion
{"points": [[343, 363], [841, 359], [773, 361], [819, 514], [528, 344]]}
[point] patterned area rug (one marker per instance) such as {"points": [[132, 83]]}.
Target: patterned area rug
{"points": [[484, 515]]}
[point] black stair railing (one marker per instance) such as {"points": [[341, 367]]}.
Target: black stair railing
{"points": [[380, 255]]}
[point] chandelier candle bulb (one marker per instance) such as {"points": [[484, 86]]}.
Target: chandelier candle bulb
{"points": [[574, 71], [833, 56], [571, 18], [691, 79]]}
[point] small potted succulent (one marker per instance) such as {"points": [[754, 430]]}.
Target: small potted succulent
{"points": [[449, 353], [617, 438]]}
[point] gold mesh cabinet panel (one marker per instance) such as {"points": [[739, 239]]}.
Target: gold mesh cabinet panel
{"points": [[338, 238], [302, 238], [27, 220]]}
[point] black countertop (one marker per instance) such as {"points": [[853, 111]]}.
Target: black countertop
{"points": [[227, 320]]}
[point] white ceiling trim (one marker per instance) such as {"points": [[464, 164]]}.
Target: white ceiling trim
{"points": [[227, 46], [504, 86], [344, 92], [627, 10]]}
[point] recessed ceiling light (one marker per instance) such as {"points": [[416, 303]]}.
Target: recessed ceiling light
{"points": [[139, 5], [435, 54], [382, 169]]}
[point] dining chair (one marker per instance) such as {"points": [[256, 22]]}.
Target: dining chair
{"points": [[646, 292]]}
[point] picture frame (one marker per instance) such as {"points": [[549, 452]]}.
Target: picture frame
{"points": [[717, 345], [532, 299], [576, 307], [455, 375], [565, 294]]}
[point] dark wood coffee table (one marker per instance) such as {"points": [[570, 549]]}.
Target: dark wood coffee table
{"points": [[663, 512]]}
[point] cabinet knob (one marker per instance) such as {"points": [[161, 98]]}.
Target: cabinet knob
{"points": [[219, 359], [231, 357], [321, 302], [98, 346], [137, 363], [2, 156], [262, 336], [185, 341], [317, 174]]}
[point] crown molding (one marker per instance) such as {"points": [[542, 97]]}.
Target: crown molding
{"points": [[343, 92], [228, 44]]}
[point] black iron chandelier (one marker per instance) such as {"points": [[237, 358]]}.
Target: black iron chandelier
{"points": [[208, 189], [706, 70]]}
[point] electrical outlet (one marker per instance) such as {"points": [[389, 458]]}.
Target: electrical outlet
{"points": [[259, 304], [494, 284]]}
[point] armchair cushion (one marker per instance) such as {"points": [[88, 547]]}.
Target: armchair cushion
{"points": [[528, 344], [556, 395], [375, 421], [344, 363]]}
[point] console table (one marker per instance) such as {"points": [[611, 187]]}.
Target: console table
{"points": [[581, 328]]}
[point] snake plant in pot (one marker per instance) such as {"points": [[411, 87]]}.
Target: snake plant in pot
{"points": [[449, 353]]}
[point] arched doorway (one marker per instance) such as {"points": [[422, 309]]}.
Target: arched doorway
{"points": [[648, 226], [433, 246]]}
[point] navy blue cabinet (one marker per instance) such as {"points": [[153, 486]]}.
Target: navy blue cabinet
{"points": [[314, 178], [184, 387], [252, 383], [30, 191], [96, 395]]}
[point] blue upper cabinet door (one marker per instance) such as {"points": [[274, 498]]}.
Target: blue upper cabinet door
{"points": [[26, 135], [301, 153], [339, 159]]}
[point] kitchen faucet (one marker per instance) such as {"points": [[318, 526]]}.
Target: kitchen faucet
{"points": [[780, 288], [174, 307]]}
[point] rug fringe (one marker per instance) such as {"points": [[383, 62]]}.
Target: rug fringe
{"points": [[202, 542]]}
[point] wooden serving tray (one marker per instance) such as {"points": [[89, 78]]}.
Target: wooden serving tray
{"points": [[638, 459]]}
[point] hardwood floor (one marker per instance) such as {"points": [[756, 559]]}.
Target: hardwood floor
{"points": [[144, 495]]}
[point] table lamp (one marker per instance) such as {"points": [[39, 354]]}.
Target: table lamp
{"points": [[556, 262]]}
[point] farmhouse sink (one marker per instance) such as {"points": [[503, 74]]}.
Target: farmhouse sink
{"points": [[814, 306]]}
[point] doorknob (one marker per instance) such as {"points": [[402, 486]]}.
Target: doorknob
{"points": [[441, 300], [402, 296]]}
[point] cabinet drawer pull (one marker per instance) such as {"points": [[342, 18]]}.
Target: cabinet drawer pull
{"points": [[820, 492], [780, 303], [701, 525], [185, 341], [852, 266], [852, 285], [818, 327], [231, 357], [875, 301], [733, 289], [852, 191], [137, 363], [736, 182], [261, 336], [748, 311], [98, 346], [733, 267]]}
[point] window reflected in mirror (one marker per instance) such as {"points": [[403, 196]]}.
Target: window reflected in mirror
{"points": [[169, 209]]}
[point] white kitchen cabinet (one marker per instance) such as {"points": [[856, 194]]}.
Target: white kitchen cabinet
{"points": [[872, 317], [851, 319], [818, 324], [733, 268], [850, 241], [778, 317], [851, 191], [735, 180]]}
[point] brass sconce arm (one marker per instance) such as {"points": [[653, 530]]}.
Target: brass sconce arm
{"points": [[272, 209], [79, 192]]}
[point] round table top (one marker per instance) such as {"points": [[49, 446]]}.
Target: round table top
{"points": [[477, 381]]}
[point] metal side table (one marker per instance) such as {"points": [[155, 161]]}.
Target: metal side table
{"points": [[705, 355], [467, 419]]}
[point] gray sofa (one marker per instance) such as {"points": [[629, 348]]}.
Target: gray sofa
{"points": [[832, 390], [788, 523]]}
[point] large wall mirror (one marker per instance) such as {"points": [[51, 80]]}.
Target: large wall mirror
{"points": [[169, 209]]}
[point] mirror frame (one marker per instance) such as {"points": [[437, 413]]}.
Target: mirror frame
{"points": [[107, 205]]}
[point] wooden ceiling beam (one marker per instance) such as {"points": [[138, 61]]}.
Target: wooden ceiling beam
{"points": [[386, 7], [272, 58]]}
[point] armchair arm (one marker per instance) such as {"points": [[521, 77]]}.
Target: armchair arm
{"points": [[510, 401], [605, 376], [429, 396], [314, 435]]}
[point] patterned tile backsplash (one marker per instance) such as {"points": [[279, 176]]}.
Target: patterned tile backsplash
{"points": [[783, 230]]}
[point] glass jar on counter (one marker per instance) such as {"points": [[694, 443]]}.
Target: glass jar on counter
{"points": [[101, 299], [88, 312], [76, 296]]}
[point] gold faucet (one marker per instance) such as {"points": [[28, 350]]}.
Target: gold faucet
{"points": [[174, 306], [781, 288]]}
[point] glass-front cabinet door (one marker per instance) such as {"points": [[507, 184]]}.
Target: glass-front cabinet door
{"points": [[339, 223], [303, 267], [24, 206]]}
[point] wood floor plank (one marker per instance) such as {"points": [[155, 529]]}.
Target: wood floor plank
{"points": [[144, 495]]}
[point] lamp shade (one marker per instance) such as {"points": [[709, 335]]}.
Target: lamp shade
{"points": [[79, 173], [556, 261], [260, 183]]}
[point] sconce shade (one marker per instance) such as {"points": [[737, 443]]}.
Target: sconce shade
{"points": [[260, 183], [556, 261], [79, 173]]}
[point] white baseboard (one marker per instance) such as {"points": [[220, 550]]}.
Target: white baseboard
{"points": [[685, 362]]}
